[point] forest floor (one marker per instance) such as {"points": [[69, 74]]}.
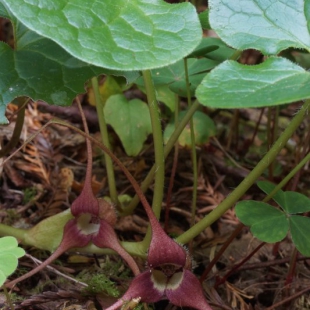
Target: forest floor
{"points": [[47, 175]]}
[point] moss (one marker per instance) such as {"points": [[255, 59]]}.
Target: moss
{"points": [[29, 194], [99, 283]]}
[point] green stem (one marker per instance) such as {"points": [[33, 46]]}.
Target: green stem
{"points": [[7, 296], [248, 181], [235, 55], [158, 143], [168, 147], [159, 165], [193, 148], [17, 129], [105, 140], [18, 233], [289, 176]]}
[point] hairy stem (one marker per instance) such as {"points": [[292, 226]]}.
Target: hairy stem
{"points": [[193, 153], [174, 167], [158, 143], [105, 140]]}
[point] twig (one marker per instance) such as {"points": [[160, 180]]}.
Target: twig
{"points": [[54, 270]]}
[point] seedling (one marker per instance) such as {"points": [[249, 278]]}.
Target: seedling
{"points": [[270, 224]]}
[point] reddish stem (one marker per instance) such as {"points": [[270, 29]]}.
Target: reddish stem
{"points": [[221, 251], [173, 171], [223, 280]]}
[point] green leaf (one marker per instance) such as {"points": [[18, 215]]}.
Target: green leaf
{"points": [[41, 69], [163, 94], [300, 233], [203, 49], [268, 187], [232, 85], [47, 234], [268, 26], [295, 203], [174, 75], [9, 254], [204, 128], [121, 35], [290, 202], [204, 19], [130, 120], [266, 223], [166, 96], [9, 245], [222, 53]]}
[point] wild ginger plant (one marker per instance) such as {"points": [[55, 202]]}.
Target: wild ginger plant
{"points": [[92, 222], [72, 41]]}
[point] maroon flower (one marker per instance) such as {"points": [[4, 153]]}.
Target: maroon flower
{"points": [[168, 275], [92, 222]]}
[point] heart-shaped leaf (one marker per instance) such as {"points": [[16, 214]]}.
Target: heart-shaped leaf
{"points": [[9, 254], [232, 85], [130, 120], [266, 222], [268, 26], [299, 226], [204, 128], [121, 35], [41, 69], [296, 203]]}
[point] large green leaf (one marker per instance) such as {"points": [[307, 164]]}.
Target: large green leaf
{"points": [[41, 69], [130, 120], [267, 223], [121, 35], [174, 75], [232, 85], [300, 233], [268, 26]]}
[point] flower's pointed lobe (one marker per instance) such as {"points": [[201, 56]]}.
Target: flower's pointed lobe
{"points": [[189, 293], [86, 202], [142, 286], [164, 250], [107, 238]]}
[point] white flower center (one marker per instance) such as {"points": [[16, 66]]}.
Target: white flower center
{"points": [[88, 224], [167, 277]]}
